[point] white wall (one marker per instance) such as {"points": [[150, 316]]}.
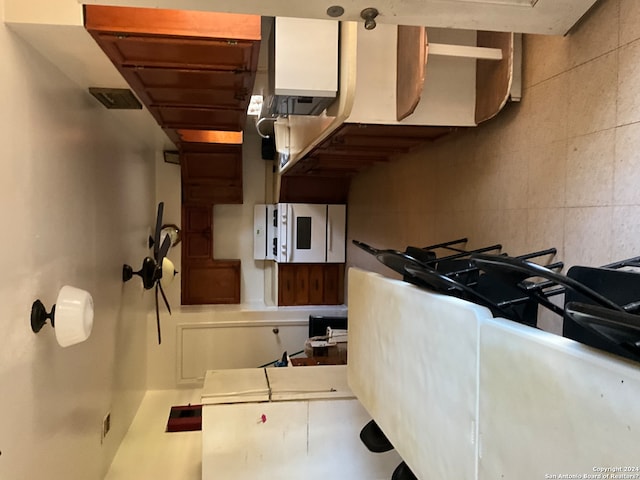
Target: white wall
{"points": [[233, 239], [148, 452], [76, 198], [233, 224]]}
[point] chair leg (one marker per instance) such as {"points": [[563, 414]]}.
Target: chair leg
{"points": [[403, 472], [446, 244], [374, 438]]}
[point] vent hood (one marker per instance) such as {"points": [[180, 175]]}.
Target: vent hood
{"points": [[303, 67]]}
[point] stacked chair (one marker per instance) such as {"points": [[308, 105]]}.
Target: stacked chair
{"points": [[601, 305], [453, 274], [457, 275]]}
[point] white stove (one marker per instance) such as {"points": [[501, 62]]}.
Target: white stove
{"points": [[300, 233]]}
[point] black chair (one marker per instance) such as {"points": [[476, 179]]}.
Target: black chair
{"points": [[374, 438], [609, 330], [456, 265], [376, 441], [620, 286], [428, 251], [422, 275], [501, 297], [518, 272], [403, 472], [611, 291]]}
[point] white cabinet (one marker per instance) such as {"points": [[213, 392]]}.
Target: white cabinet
{"points": [[309, 429], [219, 345], [313, 440]]}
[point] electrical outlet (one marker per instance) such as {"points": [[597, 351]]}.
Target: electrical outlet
{"points": [[106, 425]]}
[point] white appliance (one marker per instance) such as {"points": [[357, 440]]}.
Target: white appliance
{"points": [[265, 232], [303, 68], [300, 233]]}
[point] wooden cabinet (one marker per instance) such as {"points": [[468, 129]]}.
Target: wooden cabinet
{"points": [[192, 70], [324, 175], [212, 175], [310, 284], [197, 233], [205, 280], [211, 282], [355, 146]]}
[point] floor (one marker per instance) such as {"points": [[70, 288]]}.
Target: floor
{"points": [[558, 169]]}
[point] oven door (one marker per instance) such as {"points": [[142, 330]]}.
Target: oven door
{"points": [[302, 233]]}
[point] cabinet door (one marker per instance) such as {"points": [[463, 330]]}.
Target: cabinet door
{"points": [[310, 284], [197, 235], [286, 285], [223, 165], [302, 285], [213, 177], [146, 50], [333, 284], [199, 118], [316, 285], [189, 87], [206, 193], [212, 282]]}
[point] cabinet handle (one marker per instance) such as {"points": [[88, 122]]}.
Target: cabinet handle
{"points": [[276, 331], [369, 15]]}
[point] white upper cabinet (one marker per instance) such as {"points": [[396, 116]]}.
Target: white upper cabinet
{"points": [[523, 16]]}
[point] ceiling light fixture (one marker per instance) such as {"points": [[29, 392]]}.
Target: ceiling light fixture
{"points": [[71, 316]]}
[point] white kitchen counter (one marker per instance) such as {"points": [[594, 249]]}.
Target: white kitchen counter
{"points": [[235, 386], [306, 427], [463, 395], [246, 385], [413, 364], [549, 405]]}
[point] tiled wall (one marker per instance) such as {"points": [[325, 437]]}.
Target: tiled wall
{"points": [[561, 168]]}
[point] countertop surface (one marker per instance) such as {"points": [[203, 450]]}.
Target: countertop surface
{"points": [[463, 395], [246, 385]]}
